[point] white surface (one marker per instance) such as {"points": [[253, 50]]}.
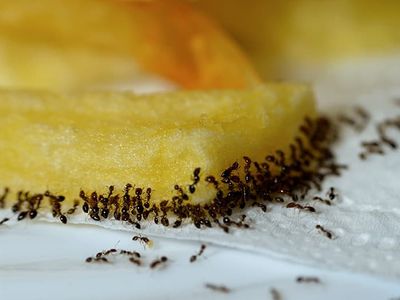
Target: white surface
{"points": [[46, 261]]}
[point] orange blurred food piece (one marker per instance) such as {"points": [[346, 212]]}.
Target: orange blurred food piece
{"points": [[80, 43], [188, 47]]}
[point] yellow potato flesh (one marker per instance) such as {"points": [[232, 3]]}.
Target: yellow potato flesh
{"points": [[65, 143], [70, 44], [283, 35]]}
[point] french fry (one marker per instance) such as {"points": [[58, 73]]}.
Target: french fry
{"points": [[65, 143], [70, 44]]}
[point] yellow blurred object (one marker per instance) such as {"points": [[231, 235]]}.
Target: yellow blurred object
{"points": [[68, 142], [284, 35], [78, 43]]}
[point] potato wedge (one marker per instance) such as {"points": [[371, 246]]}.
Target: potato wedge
{"points": [[66, 143], [72, 44]]}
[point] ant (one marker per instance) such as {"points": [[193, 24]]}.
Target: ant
{"points": [[238, 224], [97, 259], [304, 279], [157, 262], [110, 251], [63, 219], [223, 227], [177, 223], [260, 205], [332, 193], [32, 210], [73, 209], [218, 288], [196, 179], [130, 253], [135, 261], [22, 215], [55, 202], [296, 205], [136, 224], [275, 294], [105, 202], [4, 221], [181, 192], [384, 138], [193, 258], [327, 202], [327, 233], [3, 197], [105, 253], [37, 199], [228, 171], [247, 165], [85, 206], [213, 181], [144, 240], [148, 197]]}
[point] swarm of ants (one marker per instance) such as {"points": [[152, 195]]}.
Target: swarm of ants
{"points": [[281, 176]]}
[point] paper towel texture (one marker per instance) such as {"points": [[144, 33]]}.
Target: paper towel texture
{"points": [[364, 219]]}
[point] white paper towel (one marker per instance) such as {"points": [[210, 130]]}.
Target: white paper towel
{"points": [[365, 220]]}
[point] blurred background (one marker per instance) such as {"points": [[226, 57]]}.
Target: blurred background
{"points": [[74, 44]]}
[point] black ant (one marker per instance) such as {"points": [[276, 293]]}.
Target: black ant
{"points": [[238, 224], [196, 179], [63, 219], [183, 195], [55, 202], [135, 261], [384, 138], [21, 198], [212, 180], [304, 279], [148, 197], [228, 171], [327, 233], [97, 259], [223, 227], [3, 197], [144, 240], [73, 208], [17, 206], [332, 193], [218, 288], [177, 223], [158, 262], [105, 202], [296, 205], [34, 203], [22, 215], [275, 294], [327, 202], [193, 258], [85, 206], [130, 253], [4, 221], [110, 251], [260, 205], [136, 224]]}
